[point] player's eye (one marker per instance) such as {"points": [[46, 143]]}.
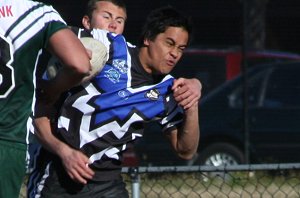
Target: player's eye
{"points": [[120, 21], [181, 49], [106, 16], [169, 43]]}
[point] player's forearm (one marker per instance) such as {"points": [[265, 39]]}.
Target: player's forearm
{"points": [[46, 137], [65, 80], [76, 67], [188, 136], [64, 42]]}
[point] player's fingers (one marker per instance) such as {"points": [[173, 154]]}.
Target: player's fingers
{"points": [[184, 103], [177, 84], [188, 101], [181, 91], [181, 94], [76, 176], [86, 171], [189, 104], [81, 165]]}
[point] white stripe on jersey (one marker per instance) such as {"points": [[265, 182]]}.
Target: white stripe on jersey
{"points": [[8, 64], [109, 152], [63, 122], [34, 29], [119, 131], [81, 104], [86, 135], [129, 69], [139, 89], [101, 35], [41, 184]]}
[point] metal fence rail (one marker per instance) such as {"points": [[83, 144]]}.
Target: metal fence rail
{"points": [[256, 180]]}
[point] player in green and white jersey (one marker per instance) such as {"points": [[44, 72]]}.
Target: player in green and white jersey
{"points": [[26, 29]]}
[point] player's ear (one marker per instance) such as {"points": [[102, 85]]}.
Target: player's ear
{"points": [[146, 42], [86, 22]]}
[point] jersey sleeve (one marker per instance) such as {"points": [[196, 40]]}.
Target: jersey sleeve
{"points": [[174, 114], [53, 22], [102, 36]]}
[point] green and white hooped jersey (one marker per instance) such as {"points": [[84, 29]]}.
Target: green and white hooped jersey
{"points": [[25, 28]]}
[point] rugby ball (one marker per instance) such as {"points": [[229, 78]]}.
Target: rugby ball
{"points": [[99, 56], [98, 60]]}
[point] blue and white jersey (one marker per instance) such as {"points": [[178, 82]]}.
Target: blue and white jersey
{"points": [[101, 117]]}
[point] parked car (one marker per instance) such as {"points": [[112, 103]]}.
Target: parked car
{"points": [[273, 122], [214, 66]]}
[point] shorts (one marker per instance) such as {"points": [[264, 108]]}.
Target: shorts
{"points": [[12, 168], [53, 182]]}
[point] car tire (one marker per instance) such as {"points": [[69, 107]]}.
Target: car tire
{"points": [[218, 154]]}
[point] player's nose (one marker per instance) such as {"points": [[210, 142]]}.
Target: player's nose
{"points": [[112, 25]]}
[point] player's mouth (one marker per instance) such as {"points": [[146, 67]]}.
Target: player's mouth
{"points": [[171, 63]]}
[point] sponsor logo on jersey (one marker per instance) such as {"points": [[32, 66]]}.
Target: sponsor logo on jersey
{"points": [[152, 94], [113, 75], [120, 65]]}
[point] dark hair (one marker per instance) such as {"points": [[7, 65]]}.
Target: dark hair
{"points": [[91, 6], [160, 19]]}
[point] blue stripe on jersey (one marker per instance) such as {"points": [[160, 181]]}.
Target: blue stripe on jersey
{"points": [[120, 52], [112, 105]]}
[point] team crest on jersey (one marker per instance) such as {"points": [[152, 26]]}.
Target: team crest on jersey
{"points": [[152, 94], [113, 75], [120, 65]]}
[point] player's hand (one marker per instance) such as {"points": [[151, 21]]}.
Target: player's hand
{"points": [[187, 92], [76, 165]]}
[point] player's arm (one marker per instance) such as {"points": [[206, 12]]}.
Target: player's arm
{"points": [[185, 139], [74, 57], [75, 162], [72, 54]]}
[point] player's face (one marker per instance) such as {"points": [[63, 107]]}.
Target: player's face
{"points": [[109, 17], [165, 50]]}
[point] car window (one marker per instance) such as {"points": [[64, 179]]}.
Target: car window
{"points": [[255, 86], [208, 69], [283, 89]]}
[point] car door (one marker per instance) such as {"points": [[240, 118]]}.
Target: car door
{"points": [[275, 120]]}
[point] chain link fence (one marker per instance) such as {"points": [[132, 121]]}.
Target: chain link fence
{"points": [[261, 180]]}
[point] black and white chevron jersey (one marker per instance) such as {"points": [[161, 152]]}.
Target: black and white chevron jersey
{"points": [[101, 117]]}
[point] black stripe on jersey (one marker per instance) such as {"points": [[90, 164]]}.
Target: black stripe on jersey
{"points": [[108, 140], [21, 18]]}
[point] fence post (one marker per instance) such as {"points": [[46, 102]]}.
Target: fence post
{"points": [[135, 180]]}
